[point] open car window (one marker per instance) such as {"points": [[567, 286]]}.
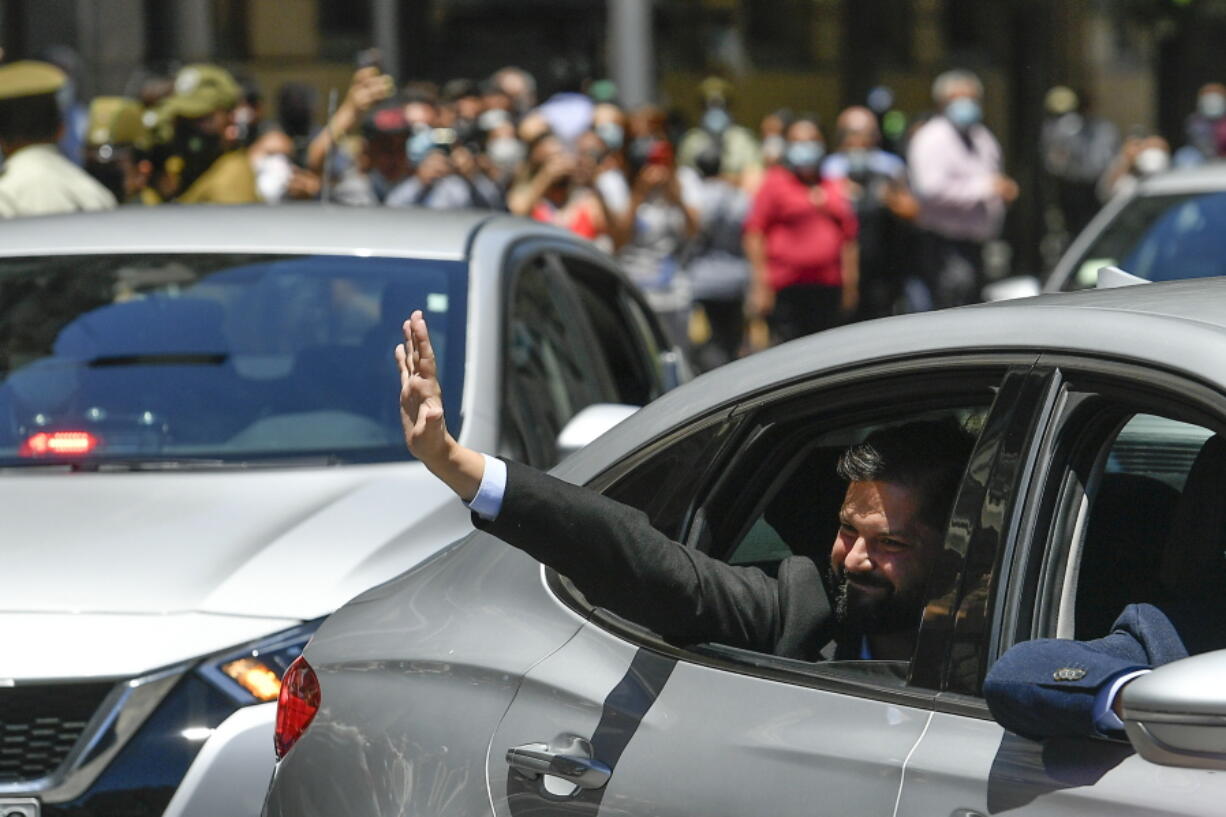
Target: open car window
{"points": [[764, 488]]}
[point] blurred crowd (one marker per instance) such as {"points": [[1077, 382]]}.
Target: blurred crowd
{"points": [[738, 234]]}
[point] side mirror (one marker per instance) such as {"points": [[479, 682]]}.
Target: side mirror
{"points": [[589, 424], [1176, 715], [1016, 286]]}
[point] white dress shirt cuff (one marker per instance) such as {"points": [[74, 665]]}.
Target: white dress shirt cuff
{"points": [[1105, 719], [488, 501]]}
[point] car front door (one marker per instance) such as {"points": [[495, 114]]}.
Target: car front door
{"points": [[617, 721], [1101, 479]]}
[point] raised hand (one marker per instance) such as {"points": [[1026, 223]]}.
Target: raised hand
{"points": [[421, 413], [421, 396]]}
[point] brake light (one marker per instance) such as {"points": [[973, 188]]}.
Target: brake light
{"points": [[296, 705], [62, 443]]}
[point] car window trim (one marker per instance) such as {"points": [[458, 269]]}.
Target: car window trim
{"points": [[740, 416], [1123, 388]]}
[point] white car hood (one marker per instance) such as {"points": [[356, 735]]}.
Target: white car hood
{"points": [[177, 556]]}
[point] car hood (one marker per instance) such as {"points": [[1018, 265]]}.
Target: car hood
{"points": [[278, 544]]}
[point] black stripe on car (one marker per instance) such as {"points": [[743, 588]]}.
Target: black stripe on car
{"points": [[624, 709]]}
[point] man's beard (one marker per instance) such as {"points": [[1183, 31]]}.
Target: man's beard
{"points": [[890, 612]]}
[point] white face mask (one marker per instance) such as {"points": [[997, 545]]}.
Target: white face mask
{"points": [[506, 152], [273, 172], [1152, 160], [1212, 105]]}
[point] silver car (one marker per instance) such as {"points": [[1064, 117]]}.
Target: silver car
{"points": [[481, 682], [200, 458], [1165, 227]]}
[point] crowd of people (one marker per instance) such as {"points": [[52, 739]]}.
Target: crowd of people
{"points": [[737, 236]]}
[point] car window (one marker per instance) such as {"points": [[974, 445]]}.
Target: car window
{"points": [[776, 494], [626, 341], [220, 358], [1151, 531], [1159, 238], [553, 365]]}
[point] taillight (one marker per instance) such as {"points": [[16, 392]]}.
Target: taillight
{"points": [[296, 705], [62, 443]]}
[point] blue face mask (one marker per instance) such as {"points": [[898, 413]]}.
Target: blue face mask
{"points": [[963, 112], [804, 155], [611, 134], [716, 120]]}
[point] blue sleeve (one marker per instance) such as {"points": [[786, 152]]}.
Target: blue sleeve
{"points": [[1049, 686]]}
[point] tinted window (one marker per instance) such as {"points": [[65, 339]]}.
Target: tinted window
{"points": [[553, 366], [1160, 238], [1152, 526], [217, 357]]}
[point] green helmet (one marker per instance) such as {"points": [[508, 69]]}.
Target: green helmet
{"points": [[201, 89]]}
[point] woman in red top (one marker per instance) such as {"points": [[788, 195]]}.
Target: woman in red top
{"points": [[800, 239]]}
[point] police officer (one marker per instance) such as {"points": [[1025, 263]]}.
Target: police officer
{"points": [[117, 144], [206, 163], [36, 179]]}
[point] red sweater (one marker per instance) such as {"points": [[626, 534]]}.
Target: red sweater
{"points": [[804, 243]]}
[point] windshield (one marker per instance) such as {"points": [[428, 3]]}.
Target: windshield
{"points": [[215, 358], [1159, 238]]}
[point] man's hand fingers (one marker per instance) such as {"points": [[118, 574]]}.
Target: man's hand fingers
{"points": [[423, 360]]}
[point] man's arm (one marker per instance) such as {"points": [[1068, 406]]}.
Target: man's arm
{"points": [[609, 550], [1060, 687]]}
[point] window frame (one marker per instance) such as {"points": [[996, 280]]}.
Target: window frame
{"points": [[1093, 399], [854, 388], [545, 254]]}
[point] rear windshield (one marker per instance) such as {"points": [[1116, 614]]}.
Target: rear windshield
{"points": [[1160, 238], [196, 360]]}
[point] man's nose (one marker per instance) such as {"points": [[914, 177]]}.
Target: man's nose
{"points": [[858, 560]]}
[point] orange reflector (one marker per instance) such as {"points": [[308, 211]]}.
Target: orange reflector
{"points": [[58, 442], [254, 677]]}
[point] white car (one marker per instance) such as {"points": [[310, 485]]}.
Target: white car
{"points": [[200, 457]]}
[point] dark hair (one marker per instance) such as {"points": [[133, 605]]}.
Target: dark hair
{"points": [[927, 455], [30, 118]]}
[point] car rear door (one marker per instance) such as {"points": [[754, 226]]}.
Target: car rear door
{"points": [[1080, 533], [645, 727]]}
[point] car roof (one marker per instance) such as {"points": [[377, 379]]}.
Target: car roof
{"points": [[292, 228], [1177, 326], [1205, 178]]}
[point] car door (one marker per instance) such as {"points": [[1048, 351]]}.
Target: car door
{"points": [[641, 726], [1090, 524]]}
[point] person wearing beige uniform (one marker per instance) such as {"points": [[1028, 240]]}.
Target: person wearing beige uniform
{"points": [[36, 179]]}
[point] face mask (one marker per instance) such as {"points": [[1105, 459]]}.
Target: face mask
{"points": [[1212, 105], [272, 176], [611, 134], [716, 120], [1152, 160], [963, 112], [804, 155], [773, 147], [506, 152], [419, 144]]}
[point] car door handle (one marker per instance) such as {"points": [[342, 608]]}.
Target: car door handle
{"points": [[534, 759]]}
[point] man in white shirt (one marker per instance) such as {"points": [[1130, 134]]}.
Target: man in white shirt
{"points": [[36, 179], [955, 165]]}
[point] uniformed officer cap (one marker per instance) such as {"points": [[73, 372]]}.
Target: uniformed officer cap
{"points": [[116, 120], [201, 89], [29, 78]]}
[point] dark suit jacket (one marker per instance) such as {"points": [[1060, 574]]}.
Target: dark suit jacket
{"points": [[1023, 689], [620, 562]]}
